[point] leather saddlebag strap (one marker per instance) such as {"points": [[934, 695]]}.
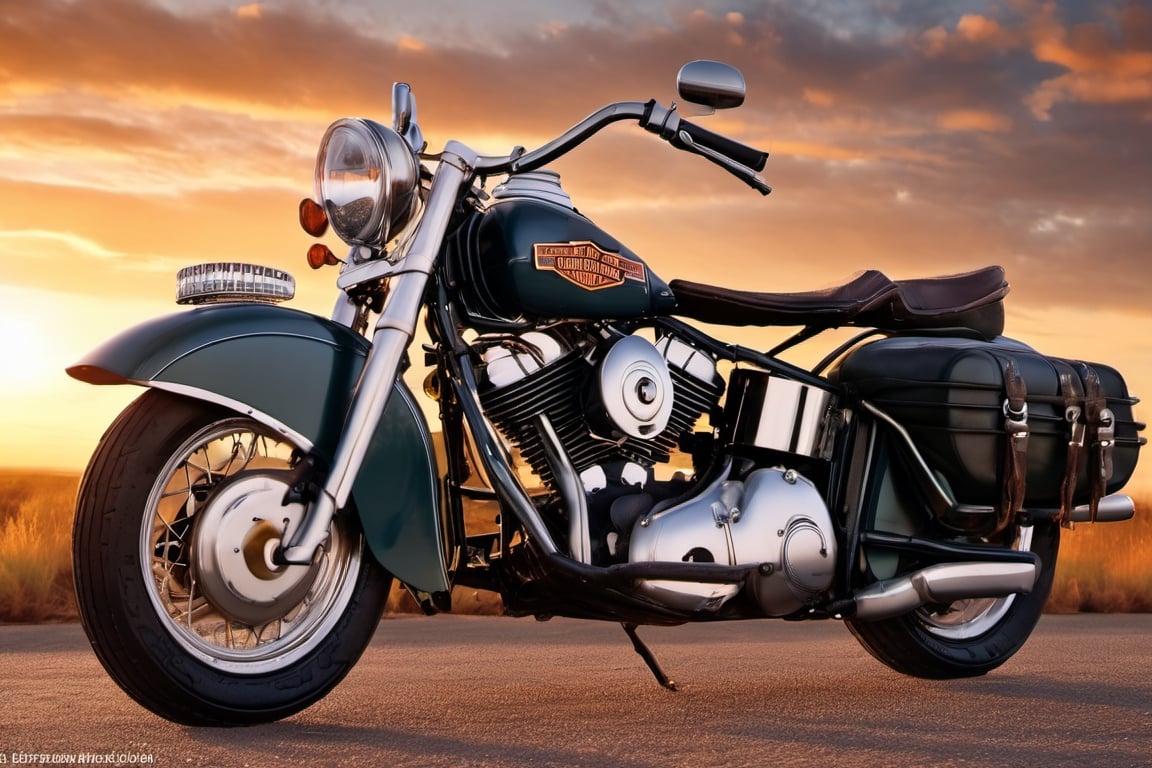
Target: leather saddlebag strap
{"points": [[1015, 473], [1101, 435], [1074, 415]]}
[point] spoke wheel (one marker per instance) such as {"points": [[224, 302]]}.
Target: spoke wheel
{"points": [[214, 518], [178, 518]]}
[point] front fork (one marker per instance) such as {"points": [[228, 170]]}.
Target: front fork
{"points": [[393, 333]]}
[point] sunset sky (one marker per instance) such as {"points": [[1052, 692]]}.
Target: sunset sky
{"points": [[917, 138]]}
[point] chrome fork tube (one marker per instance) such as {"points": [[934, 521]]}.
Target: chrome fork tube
{"points": [[394, 331]]}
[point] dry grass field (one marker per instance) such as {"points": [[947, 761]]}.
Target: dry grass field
{"points": [[35, 546], [1102, 568], [1106, 568]]}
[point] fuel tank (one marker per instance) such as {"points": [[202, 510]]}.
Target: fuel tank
{"points": [[530, 257]]}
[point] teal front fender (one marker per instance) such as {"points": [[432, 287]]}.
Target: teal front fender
{"points": [[295, 372]]}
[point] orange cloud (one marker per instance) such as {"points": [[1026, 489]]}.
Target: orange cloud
{"points": [[974, 120], [250, 11], [983, 30], [973, 36], [407, 43], [1107, 63], [818, 97], [815, 151]]}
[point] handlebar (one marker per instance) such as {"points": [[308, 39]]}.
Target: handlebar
{"points": [[738, 159], [519, 160], [743, 154]]}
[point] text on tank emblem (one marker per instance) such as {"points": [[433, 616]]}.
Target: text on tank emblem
{"points": [[586, 264]]}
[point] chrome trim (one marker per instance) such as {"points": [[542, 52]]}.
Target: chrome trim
{"points": [[1114, 508], [972, 618], [945, 496], [571, 491], [356, 271], [711, 84], [394, 330], [490, 450], [297, 635], [404, 120], [535, 185], [944, 583], [753, 179], [526, 161], [209, 396]]}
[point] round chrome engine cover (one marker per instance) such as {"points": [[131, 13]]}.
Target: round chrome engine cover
{"points": [[635, 387], [785, 523]]}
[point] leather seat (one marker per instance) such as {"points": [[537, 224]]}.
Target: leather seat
{"points": [[972, 301]]}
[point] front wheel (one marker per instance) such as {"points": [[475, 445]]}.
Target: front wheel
{"points": [[968, 637], [176, 520]]}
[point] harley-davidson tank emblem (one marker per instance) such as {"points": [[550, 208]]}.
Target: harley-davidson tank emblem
{"points": [[587, 265]]}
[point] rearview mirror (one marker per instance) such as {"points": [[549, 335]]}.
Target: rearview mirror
{"points": [[711, 84], [404, 116]]}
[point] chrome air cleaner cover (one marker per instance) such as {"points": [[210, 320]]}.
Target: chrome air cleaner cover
{"points": [[635, 387]]}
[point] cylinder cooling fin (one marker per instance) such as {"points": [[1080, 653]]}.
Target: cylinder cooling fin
{"points": [[622, 399]]}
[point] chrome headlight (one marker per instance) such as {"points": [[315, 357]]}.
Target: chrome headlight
{"points": [[367, 179]]}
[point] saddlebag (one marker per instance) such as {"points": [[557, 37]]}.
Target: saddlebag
{"points": [[1002, 426]]}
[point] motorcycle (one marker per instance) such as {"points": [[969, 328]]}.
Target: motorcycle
{"points": [[600, 456]]}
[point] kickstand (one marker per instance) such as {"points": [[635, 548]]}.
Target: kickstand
{"points": [[649, 659]]}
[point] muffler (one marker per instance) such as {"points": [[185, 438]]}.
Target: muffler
{"points": [[944, 583], [1112, 509]]}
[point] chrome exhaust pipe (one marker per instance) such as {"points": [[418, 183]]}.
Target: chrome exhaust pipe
{"points": [[944, 583], [571, 491], [1112, 509]]}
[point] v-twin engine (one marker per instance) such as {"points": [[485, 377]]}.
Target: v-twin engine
{"points": [[617, 405], [610, 401]]}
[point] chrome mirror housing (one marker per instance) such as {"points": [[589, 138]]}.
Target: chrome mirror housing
{"points": [[711, 84], [404, 116]]}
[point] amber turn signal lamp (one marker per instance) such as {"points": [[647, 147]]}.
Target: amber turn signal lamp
{"points": [[312, 217], [320, 255]]}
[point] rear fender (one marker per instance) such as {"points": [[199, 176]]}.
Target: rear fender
{"points": [[295, 373]]}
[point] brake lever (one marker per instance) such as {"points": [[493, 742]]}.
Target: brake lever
{"points": [[742, 172]]}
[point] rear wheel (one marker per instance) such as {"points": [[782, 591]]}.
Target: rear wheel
{"points": [[176, 521], [968, 637]]}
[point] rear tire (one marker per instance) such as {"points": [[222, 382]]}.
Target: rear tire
{"points": [[969, 637], [179, 600]]}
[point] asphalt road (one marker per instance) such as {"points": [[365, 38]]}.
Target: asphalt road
{"points": [[486, 691]]}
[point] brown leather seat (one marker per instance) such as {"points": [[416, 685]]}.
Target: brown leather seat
{"points": [[971, 301]]}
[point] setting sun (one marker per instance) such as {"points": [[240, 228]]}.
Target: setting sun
{"points": [[25, 346]]}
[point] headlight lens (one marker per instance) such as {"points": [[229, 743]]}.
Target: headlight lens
{"points": [[367, 179]]}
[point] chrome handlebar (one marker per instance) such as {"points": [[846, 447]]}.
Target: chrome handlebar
{"points": [[738, 159]]}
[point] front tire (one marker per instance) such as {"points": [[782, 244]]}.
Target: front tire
{"points": [[969, 637], [176, 518]]}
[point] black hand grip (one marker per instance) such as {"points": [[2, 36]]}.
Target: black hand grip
{"points": [[734, 150]]}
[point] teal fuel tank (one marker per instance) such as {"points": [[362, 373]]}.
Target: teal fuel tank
{"points": [[530, 257]]}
